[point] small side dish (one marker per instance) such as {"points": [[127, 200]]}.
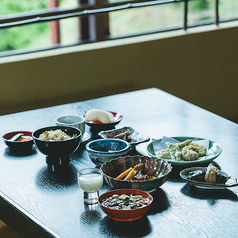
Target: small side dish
{"points": [[18, 139], [125, 205], [211, 175], [208, 177], [126, 133], [99, 116], [125, 201], [102, 150], [99, 120]]}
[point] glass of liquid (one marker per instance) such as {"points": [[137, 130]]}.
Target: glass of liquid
{"points": [[90, 180]]}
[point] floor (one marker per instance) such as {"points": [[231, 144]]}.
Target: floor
{"points": [[7, 232]]}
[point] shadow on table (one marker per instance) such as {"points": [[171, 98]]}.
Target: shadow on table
{"points": [[54, 178], [138, 228], [160, 202], [92, 214], [210, 195], [12, 153]]}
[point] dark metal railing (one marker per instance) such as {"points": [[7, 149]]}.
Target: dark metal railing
{"points": [[58, 14], [99, 7]]}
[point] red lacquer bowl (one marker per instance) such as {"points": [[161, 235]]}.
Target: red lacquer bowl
{"points": [[125, 215], [96, 127], [18, 144]]}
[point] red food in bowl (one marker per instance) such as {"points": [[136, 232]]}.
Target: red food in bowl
{"points": [[24, 142], [125, 215], [96, 126]]}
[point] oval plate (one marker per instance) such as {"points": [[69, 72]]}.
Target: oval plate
{"points": [[232, 181], [213, 151], [136, 137]]}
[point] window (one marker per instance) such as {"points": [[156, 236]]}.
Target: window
{"points": [[28, 26]]}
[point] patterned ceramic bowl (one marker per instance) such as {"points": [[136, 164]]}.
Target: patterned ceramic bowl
{"points": [[160, 169], [102, 150]]}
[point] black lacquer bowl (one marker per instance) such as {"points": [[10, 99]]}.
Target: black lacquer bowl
{"points": [[57, 151], [159, 168]]}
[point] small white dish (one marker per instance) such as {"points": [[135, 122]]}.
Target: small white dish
{"points": [[232, 181], [86, 137], [136, 137]]}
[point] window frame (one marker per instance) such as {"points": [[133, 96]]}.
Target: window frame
{"points": [[93, 18]]}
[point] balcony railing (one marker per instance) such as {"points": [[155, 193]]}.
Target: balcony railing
{"points": [[96, 9]]}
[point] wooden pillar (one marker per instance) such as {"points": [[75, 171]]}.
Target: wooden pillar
{"points": [[95, 27], [55, 25]]}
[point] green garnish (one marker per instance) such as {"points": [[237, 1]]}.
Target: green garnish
{"points": [[126, 200], [16, 137]]}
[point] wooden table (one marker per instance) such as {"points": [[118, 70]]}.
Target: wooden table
{"points": [[38, 202]]}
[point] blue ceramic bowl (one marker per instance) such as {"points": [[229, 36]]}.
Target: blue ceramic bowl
{"points": [[102, 150], [114, 167]]}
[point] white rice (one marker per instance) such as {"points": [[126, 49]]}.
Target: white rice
{"points": [[57, 135]]}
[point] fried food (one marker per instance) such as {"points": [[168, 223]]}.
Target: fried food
{"points": [[186, 150], [202, 149], [190, 153]]}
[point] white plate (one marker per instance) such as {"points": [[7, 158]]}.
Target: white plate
{"points": [[86, 137], [232, 181], [213, 151]]}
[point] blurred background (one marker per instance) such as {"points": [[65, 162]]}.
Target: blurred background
{"points": [[121, 23]]}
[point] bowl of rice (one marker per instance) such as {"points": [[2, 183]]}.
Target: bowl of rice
{"points": [[57, 143]]}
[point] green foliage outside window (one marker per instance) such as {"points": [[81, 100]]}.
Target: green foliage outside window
{"points": [[131, 21], [23, 36]]}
